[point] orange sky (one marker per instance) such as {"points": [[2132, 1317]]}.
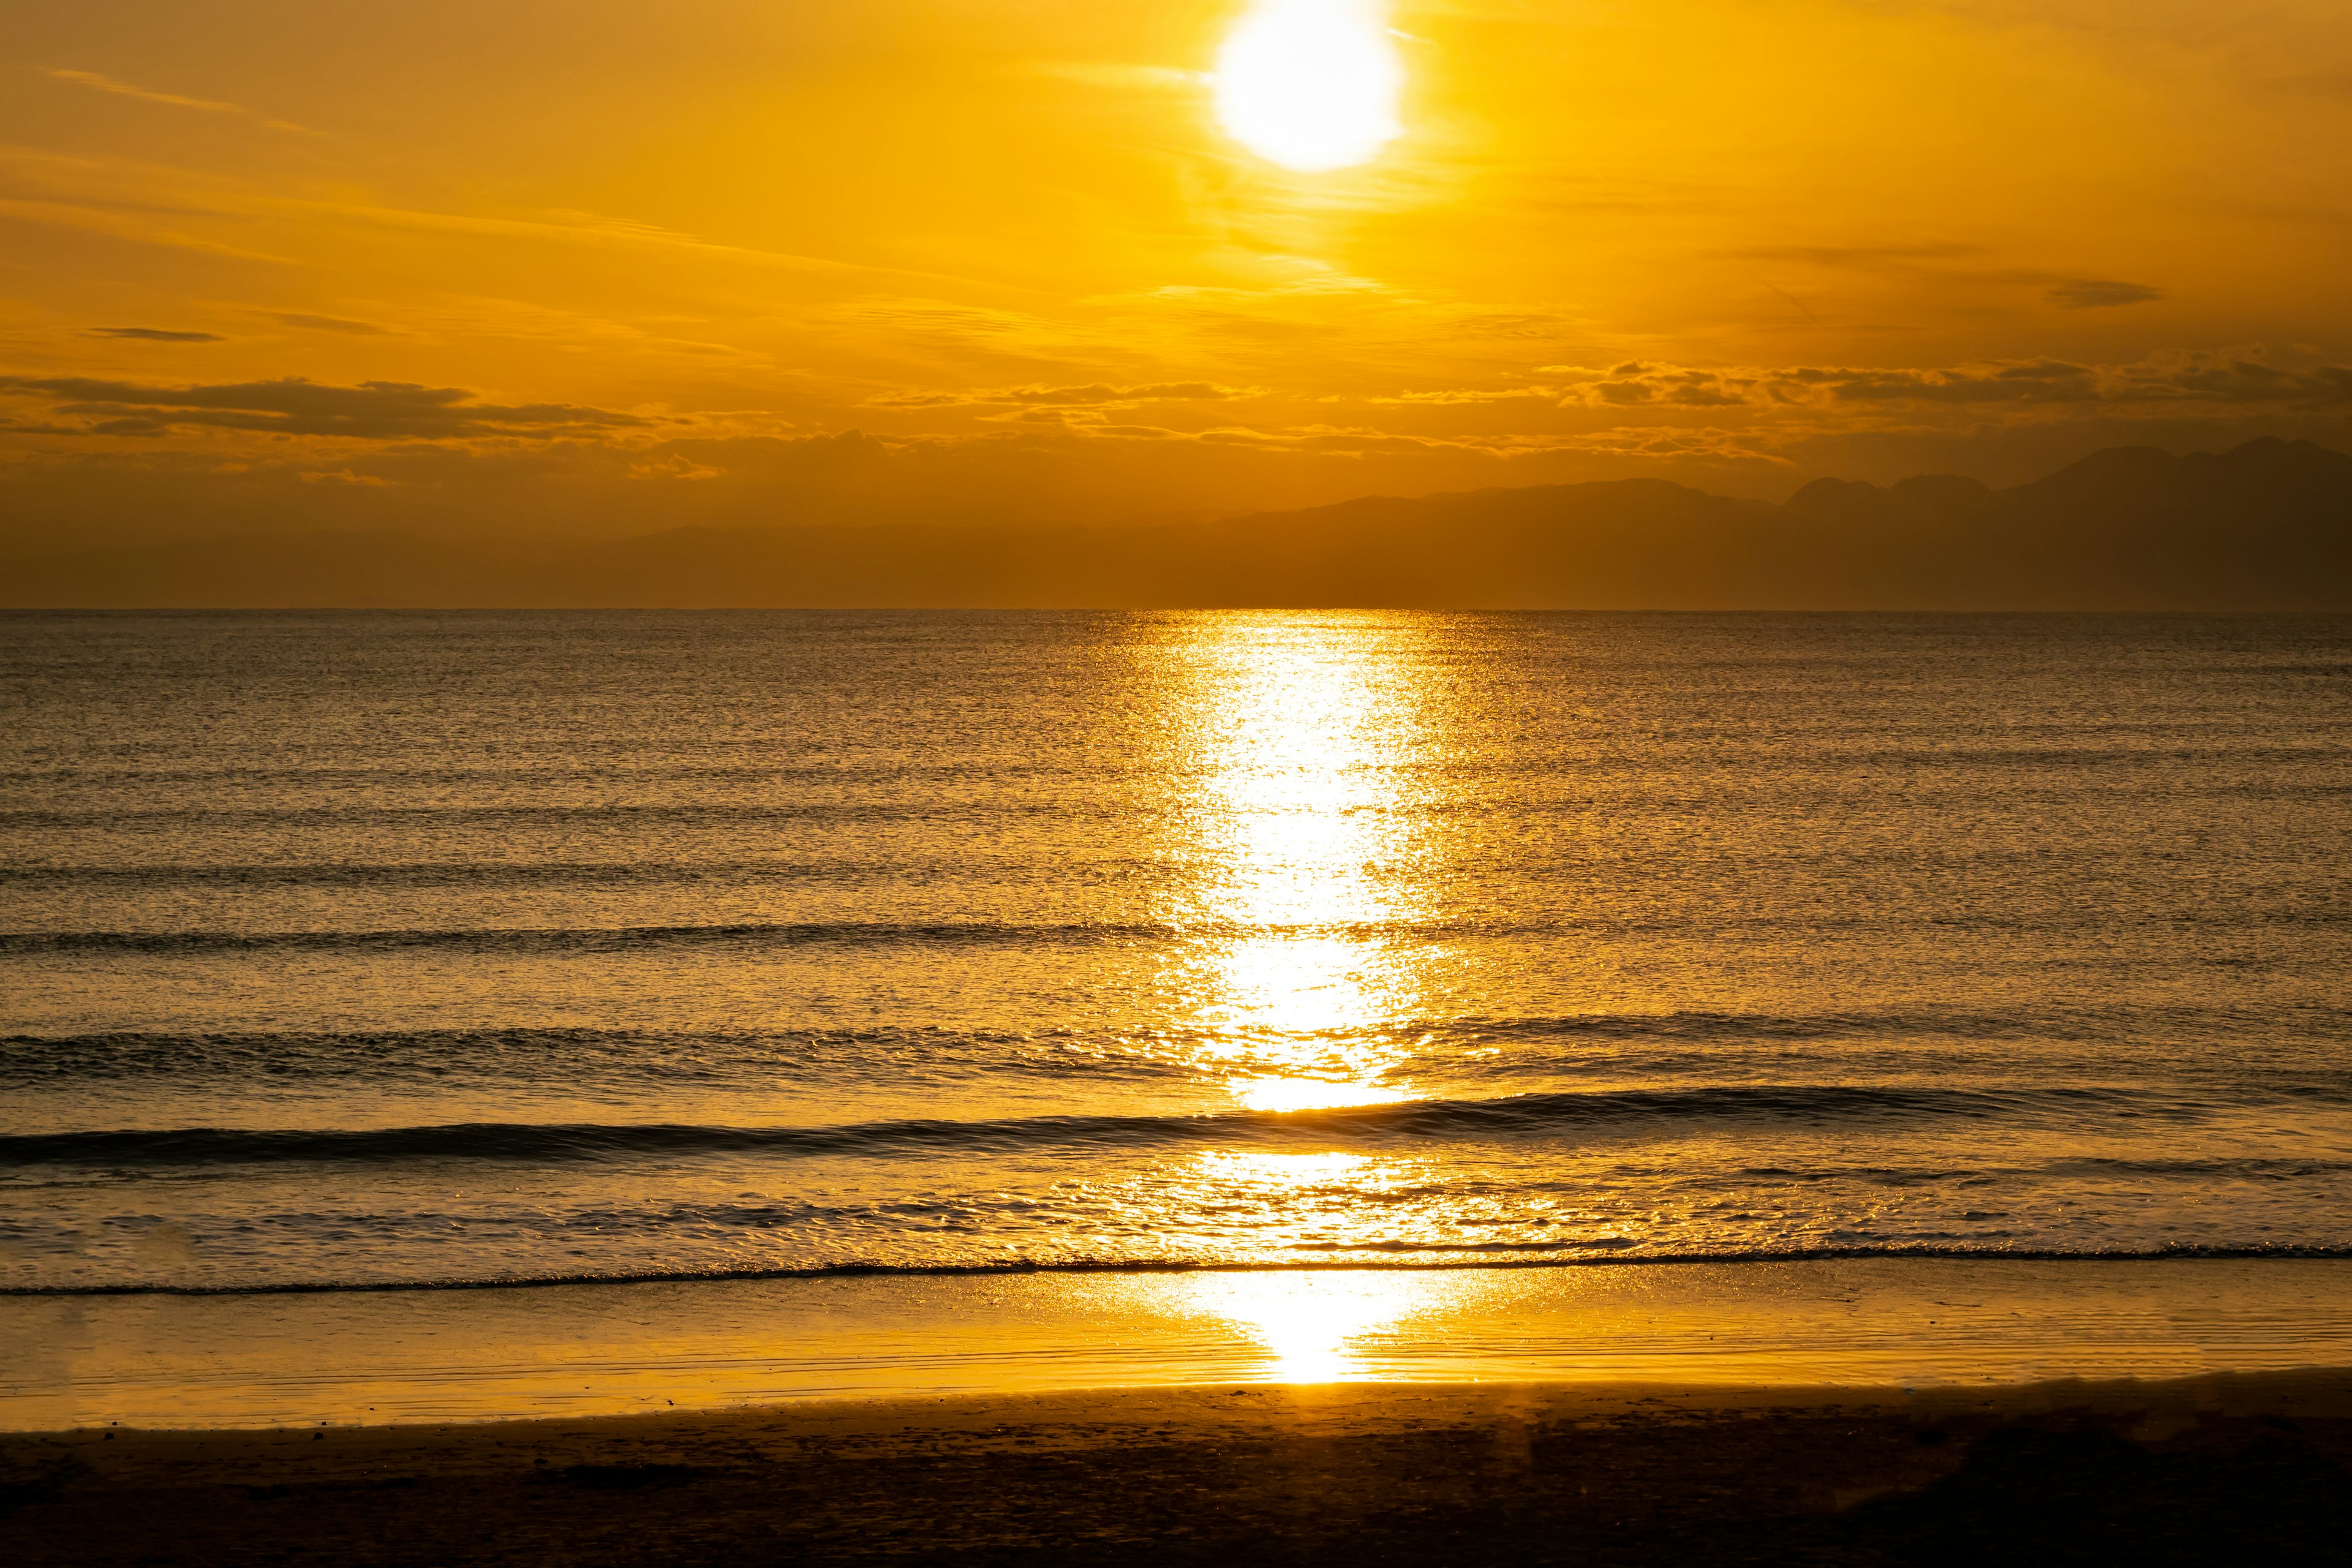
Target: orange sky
{"points": [[601, 266]]}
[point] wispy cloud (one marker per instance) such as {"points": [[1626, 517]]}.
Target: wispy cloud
{"points": [[2240, 379], [98, 83], [1097, 395], [132, 227], [2099, 294], [371, 411], [156, 336], [327, 323]]}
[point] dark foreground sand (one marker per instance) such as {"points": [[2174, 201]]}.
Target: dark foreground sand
{"points": [[2247, 1469]]}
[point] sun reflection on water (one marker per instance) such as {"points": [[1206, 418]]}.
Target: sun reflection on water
{"points": [[1308, 1094], [1303, 734], [1292, 1169]]}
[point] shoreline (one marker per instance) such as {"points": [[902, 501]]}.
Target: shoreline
{"points": [[1635, 1472], [1026, 1267], [422, 1358]]}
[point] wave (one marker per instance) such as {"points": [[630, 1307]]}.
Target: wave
{"points": [[558, 941], [443, 874], [1700, 1025], [1893, 1252], [794, 933], [407, 775], [2197, 780], [1522, 1116], [337, 814], [1469, 1056], [1852, 754], [628, 1058]]}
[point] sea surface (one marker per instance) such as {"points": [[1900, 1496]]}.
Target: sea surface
{"points": [[375, 949]]}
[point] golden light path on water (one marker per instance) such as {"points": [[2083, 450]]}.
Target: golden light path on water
{"points": [[1308, 735], [1304, 736]]}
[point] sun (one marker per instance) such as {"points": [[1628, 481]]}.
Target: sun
{"points": [[1310, 84]]}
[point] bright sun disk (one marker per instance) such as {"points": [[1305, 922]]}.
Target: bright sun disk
{"points": [[1310, 84]]}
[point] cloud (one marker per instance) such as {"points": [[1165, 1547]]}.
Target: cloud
{"points": [[1655, 443], [2097, 294], [131, 199], [132, 227], [1470, 396], [2239, 377], [675, 466], [1100, 395], [93, 80], [1888, 260], [2338, 86], [2209, 378], [2039, 381], [2229, 378], [156, 336], [1634, 384], [326, 323], [1097, 395], [371, 411]]}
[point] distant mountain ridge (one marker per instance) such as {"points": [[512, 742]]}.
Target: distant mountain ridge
{"points": [[2267, 526]]}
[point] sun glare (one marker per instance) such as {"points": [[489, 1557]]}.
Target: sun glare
{"points": [[1310, 84], [1310, 1094], [1319, 1328]]}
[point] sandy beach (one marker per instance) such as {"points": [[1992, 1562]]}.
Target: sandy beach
{"points": [[2236, 1469]]}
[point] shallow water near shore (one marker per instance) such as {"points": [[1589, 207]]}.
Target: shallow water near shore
{"points": [[366, 1357]]}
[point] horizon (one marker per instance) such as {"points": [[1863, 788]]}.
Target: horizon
{"points": [[2259, 527], [2258, 443]]}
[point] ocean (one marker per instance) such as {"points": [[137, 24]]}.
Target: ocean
{"points": [[420, 949]]}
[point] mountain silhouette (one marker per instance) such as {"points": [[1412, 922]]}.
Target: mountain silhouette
{"points": [[2267, 526]]}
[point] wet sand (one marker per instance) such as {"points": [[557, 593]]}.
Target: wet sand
{"points": [[2247, 1468], [577, 1350]]}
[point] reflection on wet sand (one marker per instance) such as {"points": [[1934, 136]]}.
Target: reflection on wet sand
{"points": [[1316, 1328]]}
